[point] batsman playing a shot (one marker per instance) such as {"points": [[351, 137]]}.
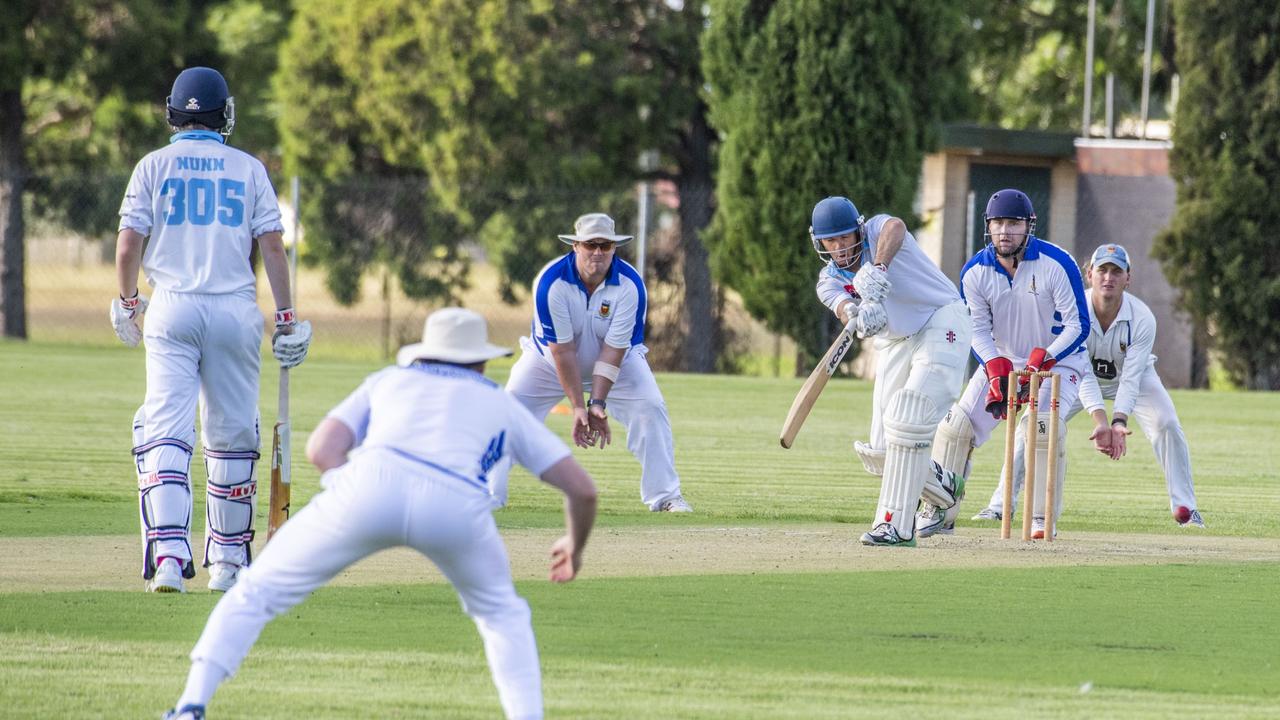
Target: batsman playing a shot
{"points": [[1122, 334], [877, 280], [1027, 302], [408, 459], [197, 206], [588, 335]]}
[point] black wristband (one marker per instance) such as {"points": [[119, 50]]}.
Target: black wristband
{"points": [[1120, 421], [597, 401]]}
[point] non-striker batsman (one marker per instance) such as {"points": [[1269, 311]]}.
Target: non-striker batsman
{"points": [[190, 216]]}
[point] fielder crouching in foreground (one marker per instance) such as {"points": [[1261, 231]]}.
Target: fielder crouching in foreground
{"points": [[408, 459], [878, 281]]}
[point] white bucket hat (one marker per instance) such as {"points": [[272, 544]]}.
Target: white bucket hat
{"points": [[594, 226], [454, 335]]}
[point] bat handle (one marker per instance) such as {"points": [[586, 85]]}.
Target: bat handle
{"points": [[282, 405]]}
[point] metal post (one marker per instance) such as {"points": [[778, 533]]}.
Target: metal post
{"points": [[642, 227], [1088, 73], [1146, 67], [1110, 105], [293, 249]]}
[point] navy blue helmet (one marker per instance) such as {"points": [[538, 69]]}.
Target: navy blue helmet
{"points": [[1009, 203], [833, 217], [200, 95]]}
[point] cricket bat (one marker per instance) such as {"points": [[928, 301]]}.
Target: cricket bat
{"points": [[812, 387], [281, 472]]}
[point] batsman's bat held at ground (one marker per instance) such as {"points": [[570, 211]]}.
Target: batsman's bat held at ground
{"points": [[281, 469], [813, 386]]}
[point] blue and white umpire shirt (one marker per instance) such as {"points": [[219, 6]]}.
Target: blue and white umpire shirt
{"points": [[564, 311], [1042, 305], [201, 203], [918, 287], [452, 423]]}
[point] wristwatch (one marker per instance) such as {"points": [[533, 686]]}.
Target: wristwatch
{"points": [[597, 401]]}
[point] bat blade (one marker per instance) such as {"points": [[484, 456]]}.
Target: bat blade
{"points": [[813, 386], [280, 479]]}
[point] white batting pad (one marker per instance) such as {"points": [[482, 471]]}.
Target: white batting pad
{"points": [[230, 501], [953, 443], [164, 497], [908, 432], [872, 459]]}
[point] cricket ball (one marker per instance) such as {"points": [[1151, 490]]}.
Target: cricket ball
{"points": [[1182, 514]]}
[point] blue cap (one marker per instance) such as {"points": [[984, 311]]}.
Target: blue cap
{"points": [[1114, 254]]}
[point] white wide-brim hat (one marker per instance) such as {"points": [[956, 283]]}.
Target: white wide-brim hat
{"points": [[454, 335], [594, 226]]}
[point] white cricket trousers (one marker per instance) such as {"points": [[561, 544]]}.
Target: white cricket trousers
{"points": [[1158, 420], [381, 500], [634, 400], [931, 362]]}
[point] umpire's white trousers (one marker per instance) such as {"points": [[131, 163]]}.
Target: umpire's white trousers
{"points": [[380, 500], [1158, 420], [635, 401]]}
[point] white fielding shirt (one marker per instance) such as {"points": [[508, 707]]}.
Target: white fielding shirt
{"points": [[918, 287], [452, 420], [201, 203], [1042, 305], [563, 310], [1120, 355]]}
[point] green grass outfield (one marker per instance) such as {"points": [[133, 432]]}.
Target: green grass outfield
{"points": [[760, 605]]}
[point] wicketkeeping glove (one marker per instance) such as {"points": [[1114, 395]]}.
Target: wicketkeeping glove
{"points": [[872, 283], [125, 314], [1039, 361], [998, 371], [290, 348]]}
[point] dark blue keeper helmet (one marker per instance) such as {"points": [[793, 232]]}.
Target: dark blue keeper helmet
{"points": [[200, 95], [1009, 203], [832, 217]]}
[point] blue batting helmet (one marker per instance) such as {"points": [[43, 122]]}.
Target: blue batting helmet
{"points": [[834, 216], [200, 95]]}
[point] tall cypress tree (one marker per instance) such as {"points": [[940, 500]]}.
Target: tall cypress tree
{"points": [[815, 99], [1222, 249]]}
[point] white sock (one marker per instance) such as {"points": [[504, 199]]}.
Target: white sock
{"points": [[202, 682]]}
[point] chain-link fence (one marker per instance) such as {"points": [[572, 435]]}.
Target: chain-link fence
{"points": [[361, 282]]}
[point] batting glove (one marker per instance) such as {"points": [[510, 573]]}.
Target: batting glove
{"points": [[998, 371], [291, 339], [872, 283], [1038, 362], [125, 314], [870, 320]]}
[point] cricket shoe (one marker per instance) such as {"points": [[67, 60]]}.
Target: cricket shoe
{"points": [[222, 576], [168, 577], [885, 535], [676, 504], [1037, 529], [988, 514], [187, 712], [932, 520], [1194, 520]]}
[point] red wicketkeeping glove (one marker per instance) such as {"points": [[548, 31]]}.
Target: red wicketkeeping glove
{"points": [[998, 371], [1039, 361]]}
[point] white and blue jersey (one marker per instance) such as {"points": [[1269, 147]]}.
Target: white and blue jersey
{"points": [[201, 203], [565, 312], [1042, 305], [471, 433], [918, 287]]}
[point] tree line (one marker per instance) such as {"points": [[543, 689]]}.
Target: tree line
{"points": [[421, 124]]}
